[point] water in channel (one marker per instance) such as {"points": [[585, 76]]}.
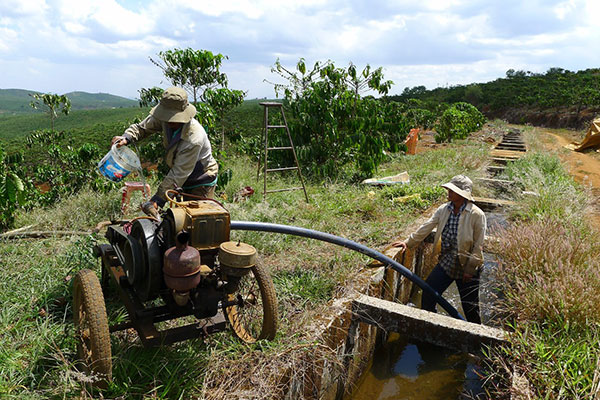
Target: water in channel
{"points": [[407, 369]]}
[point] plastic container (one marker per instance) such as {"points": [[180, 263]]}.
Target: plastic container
{"points": [[118, 163]]}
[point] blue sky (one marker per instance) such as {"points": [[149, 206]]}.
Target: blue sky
{"points": [[104, 45]]}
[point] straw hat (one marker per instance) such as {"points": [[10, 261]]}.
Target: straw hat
{"points": [[174, 107], [461, 185]]}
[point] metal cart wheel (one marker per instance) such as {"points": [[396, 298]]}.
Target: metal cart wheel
{"points": [[256, 317], [91, 327]]}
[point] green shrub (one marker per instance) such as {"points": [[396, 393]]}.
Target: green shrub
{"points": [[421, 118], [458, 121], [11, 192]]}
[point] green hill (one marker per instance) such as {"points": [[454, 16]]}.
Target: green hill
{"points": [[84, 126], [88, 101], [16, 101]]}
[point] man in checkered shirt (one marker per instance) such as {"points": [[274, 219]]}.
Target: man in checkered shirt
{"points": [[460, 226]]}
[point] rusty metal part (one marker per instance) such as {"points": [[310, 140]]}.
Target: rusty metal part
{"points": [[236, 258], [181, 298], [143, 318], [206, 221], [182, 266]]}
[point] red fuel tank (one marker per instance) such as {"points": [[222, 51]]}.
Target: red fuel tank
{"points": [[181, 267]]}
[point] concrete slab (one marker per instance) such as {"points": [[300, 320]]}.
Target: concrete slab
{"points": [[513, 147], [495, 182], [513, 141], [426, 326]]}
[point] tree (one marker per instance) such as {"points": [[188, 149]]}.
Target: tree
{"points": [[150, 97], [194, 70], [54, 102], [223, 100], [297, 82], [414, 92], [366, 80], [473, 94], [331, 124]]}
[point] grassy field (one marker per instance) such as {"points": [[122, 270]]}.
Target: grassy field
{"points": [[38, 349], [549, 277]]}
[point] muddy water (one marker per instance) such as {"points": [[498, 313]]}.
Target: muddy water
{"points": [[404, 368], [409, 369]]}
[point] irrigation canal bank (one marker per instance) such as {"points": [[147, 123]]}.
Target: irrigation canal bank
{"points": [[382, 346], [421, 355]]}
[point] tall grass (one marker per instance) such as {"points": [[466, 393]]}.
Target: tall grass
{"points": [[545, 190], [550, 277], [552, 272]]}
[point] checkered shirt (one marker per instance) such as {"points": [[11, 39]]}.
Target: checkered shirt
{"points": [[449, 256]]}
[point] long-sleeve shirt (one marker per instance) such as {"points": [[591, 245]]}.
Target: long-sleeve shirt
{"points": [[188, 153], [470, 235]]}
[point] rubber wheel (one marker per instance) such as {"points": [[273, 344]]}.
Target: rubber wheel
{"points": [[256, 317], [91, 328]]}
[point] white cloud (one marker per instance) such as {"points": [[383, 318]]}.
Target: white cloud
{"points": [[8, 39], [250, 9], [429, 42], [563, 9], [107, 16], [22, 8]]}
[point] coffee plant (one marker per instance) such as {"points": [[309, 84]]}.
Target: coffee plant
{"points": [[458, 121], [332, 125], [60, 168], [11, 192]]}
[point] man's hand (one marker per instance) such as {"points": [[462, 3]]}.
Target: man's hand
{"points": [[400, 243], [119, 141]]}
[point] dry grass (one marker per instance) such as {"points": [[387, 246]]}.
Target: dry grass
{"points": [[294, 370], [549, 270], [549, 276]]}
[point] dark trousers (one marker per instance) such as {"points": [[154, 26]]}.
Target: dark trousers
{"points": [[469, 293]]}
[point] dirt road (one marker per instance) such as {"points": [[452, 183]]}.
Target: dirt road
{"points": [[584, 167]]}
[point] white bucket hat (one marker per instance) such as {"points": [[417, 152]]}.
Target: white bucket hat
{"points": [[174, 106], [461, 185]]}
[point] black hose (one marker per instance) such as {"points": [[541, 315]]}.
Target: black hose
{"points": [[349, 244]]}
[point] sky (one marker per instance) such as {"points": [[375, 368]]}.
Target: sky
{"points": [[105, 46]]}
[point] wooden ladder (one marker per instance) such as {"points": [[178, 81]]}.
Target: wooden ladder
{"points": [[266, 169]]}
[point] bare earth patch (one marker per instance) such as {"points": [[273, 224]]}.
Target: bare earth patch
{"points": [[583, 166]]}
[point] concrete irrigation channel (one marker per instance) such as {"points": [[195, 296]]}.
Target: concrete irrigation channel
{"points": [[365, 328]]}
